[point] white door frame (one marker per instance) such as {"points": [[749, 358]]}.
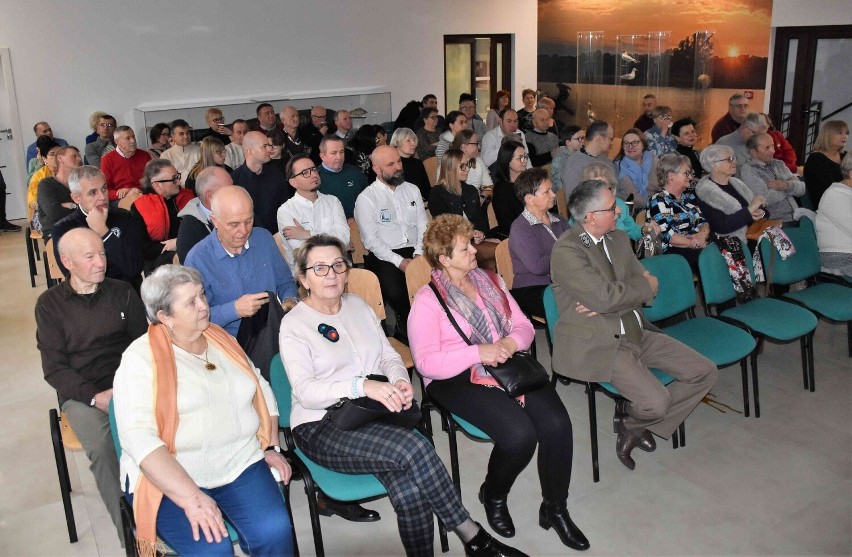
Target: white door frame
{"points": [[16, 202]]}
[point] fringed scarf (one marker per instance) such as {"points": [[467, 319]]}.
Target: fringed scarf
{"points": [[146, 496]]}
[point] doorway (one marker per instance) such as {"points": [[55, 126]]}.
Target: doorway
{"points": [[477, 64], [11, 147], [810, 82]]}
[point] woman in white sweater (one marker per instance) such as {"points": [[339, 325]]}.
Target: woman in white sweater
{"points": [[198, 428], [834, 224]]}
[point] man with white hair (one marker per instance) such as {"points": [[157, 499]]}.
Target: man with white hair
{"points": [[752, 124], [294, 141], [234, 155], [123, 167], [343, 123], [83, 325], [195, 224], [120, 230], [769, 177]]}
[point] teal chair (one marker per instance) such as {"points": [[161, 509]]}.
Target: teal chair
{"points": [[764, 318], [128, 523], [832, 302], [350, 488], [552, 314], [722, 343]]}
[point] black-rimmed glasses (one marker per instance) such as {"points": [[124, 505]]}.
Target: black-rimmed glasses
{"points": [[175, 178], [339, 267]]}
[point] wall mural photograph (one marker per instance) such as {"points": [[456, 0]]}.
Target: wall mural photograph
{"points": [[598, 58]]}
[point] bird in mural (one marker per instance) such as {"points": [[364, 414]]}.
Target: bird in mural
{"points": [[590, 114], [627, 58], [628, 76]]}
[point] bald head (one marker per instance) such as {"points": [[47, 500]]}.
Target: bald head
{"points": [[233, 217], [387, 165], [82, 252], [290, 118], [76, 239], [252, 140], [210, 180], [541, 119], [229, 198]]}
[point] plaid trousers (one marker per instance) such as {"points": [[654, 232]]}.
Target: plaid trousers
{"points": [[404, 462]]}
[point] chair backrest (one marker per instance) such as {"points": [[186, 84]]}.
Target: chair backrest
{"points": [[562, 203], [802, 265], [676, 293], [365, 284], [52, 265], [551, 311], [431, 166], [417, 274], [715, 280], [114, 429], [127, 201], [504, 263], [355, 238], [280, 384], [492, 216]]}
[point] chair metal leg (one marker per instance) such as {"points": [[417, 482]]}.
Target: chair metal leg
{"points": [[285, 488], [804, 349], [593, 431], [62, 472], [454, 454], [128, 527], [754, 387], [849, 336], [811, 360], [30, 256], [311, 490], [682, 430], [675, 440], [442, 535], [553, 379], [744, 371]]}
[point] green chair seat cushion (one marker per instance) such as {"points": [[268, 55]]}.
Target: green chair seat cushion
{"points": [[834, 301], [774, 318], [471, 429], [343, 487], [720, 342]]}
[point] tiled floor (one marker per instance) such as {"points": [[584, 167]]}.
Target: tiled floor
{"points": [[778, 485]]}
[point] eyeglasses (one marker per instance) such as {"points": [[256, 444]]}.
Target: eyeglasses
{"points": [[306, 173], [465, 166], [632, 143], [610, 210], [318, 116], [522, 158], [580, 139], [466, 108], [173, 179], [472, 143], [339, 267], [739, 106], [219, 120], [433, 117], [667, 117], [686, 173], [730, 159], [106, 125]]}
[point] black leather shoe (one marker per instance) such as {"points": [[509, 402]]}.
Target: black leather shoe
{"points": [[484, 545], [347, 511], [620, 413], [647, 442], [497, 512], [6, 226], [555, 515], [624, 445]]}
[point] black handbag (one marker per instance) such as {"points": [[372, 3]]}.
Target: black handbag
{"points": [[519, 375], [351, 413]]}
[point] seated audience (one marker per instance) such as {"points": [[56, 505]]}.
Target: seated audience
{"points": [[212, 152], [159, 139], [362, 145], [477, 174], [93, 125], [770, 178], [294, 137], [321, 373], [822, 168], [47, 149], [42, 129], [54, 197], [531, 239], [455, 378], [784, 152], [736, 140], [834, 225], [315, 130], [646, 121], [541, 142], [120, 231], [452, 194], [195, 222], [572, 138], [659, 137], [508, 128], [343, 125], [604, 173], [161, 200], [198, 427], [467, 106], [182, 154], [81, 341], [339, 179], [405, 141], [683, 131], [267, 121], [124, 166], [308, 212], [511, 162], [456, 122], [727, 203], [234, 156], [636, 167], [103, 144], [730, 122], [217, 128], [278, 157], [683, 228], [529, 98], [429, 101], [429, 134], [501, 101], [264, 182], [599, 136]]}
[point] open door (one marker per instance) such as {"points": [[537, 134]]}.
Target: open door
{"points": [[477, 64], [11, 146]]}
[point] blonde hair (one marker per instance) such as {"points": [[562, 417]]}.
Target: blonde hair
{"points": [[449, 177], [823, 140], [209, 145]]}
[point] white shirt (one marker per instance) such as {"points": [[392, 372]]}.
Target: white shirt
{"points": [[390, 219], [183, 159], [479, 177], [491, 145], [834, 219], [323, 216], [234, 155]]}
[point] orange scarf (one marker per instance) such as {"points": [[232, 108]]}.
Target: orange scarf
{"points": [[155, 214], [146, 496]]}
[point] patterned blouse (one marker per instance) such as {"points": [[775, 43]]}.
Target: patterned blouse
{"points": [[679, 216], [658, 144]]}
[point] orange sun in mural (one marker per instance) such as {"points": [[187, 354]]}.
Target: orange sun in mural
{"points": [[733, 51]]}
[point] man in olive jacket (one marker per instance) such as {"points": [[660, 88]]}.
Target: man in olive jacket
{"points": [[602, 334]]}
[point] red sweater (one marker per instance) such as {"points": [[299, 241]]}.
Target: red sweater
{"points": [[123, 173]]}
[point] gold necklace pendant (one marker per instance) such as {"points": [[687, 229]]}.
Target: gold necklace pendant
{"points": [[210, 366]]}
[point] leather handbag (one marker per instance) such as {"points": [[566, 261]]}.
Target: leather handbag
{"points": [[519, 375], [351, 413], [755, 229]]}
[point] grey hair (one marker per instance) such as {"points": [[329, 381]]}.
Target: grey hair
{"points": [[584, 197], [300, 256], [158, 288], [400, 135], [600, 171], [85, 172], [751, 142], [206, 181], [846, 166], [596, 128], [122, 129], [712, 153], [735, 97], [755, 122], [669, 164], [152, 168]]}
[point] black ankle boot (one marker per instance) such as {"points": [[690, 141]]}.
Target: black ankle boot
{"points": [[497, 512], [555, 514], [484, 545]]}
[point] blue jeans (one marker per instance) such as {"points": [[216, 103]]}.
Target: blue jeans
{"points": [[253, 505]]}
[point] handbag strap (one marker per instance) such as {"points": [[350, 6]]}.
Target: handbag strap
{"points": [[449, 314]]}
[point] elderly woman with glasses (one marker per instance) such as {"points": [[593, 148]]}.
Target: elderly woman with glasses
{"points": [[659, 137], [683, 228], [322, 371], [405, 141], [477, 176], [198, 427], [636, 168], [161, 200], [726, 202]]}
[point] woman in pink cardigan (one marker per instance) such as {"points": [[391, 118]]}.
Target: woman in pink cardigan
{"points": [[456, 379]]}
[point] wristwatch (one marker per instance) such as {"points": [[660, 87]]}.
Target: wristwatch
{"points": [[275, 448]]}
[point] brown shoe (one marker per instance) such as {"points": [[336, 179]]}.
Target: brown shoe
{"points": [[624, 445], [647, 442]]}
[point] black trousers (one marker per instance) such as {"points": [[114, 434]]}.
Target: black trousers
{"points": [[515, 430], [392, 283], [530, 299]]}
